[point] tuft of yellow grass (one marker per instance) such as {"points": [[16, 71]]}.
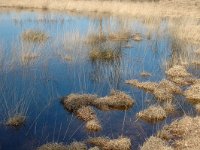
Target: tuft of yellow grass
{"points": [[86, 113], [121, 143], [16, 121], [177, 71], [53, 146], [152, 114], [155, 143], [145, 74], [77, 146], [192, 94], [117, 100], [137, 37], [93, 125], [34, 36], [73, 102]]}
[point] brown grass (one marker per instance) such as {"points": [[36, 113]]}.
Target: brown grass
{"points": [[178, 71], [93, 126], [28, 57], [86, 113], [53, 146], [34, 36], [117, 100], [192, 94], [120, 36], [16, 121], [137, 37], [94, 148], [152, 114], [73, 102], [121, 143], [169, 107], [145, 74], [197, 107], [154, 143], [182, 81], [77, 146]]}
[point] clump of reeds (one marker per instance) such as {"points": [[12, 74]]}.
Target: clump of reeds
{"points": [[94, 148], [77, 146], [121, 143], [169, 107], [137, 37], [165, 90], [96, 38], [197, 107], [145, 74], [16, 120], [179, 75], [177, 129], [152, 114], [93, 125], [34, 36], [147, 86], [120, 36], [107, 55], [116, 100], [86, 113], [155, 143], [53, 146], [73, 102], [192, 94]]}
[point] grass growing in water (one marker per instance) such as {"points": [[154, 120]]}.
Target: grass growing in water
{"points": [[34, 36]]}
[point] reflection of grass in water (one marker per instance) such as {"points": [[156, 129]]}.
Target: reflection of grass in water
{"points": [[107, 55], [34, 36]]}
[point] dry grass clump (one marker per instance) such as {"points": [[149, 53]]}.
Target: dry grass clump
{"points": [[16, 121], [145, 74], [178, 71], [94, 148], [137, 37], [116, 100], [96, 38], [178, 128], [165, 90], [106, 55], [121, 143], [86, 113], [147, 86], [169, 107], [197, 107], [154, 143], [77, 146], [93, 126], [197, 51], [34, 36], [120, 36], [183, 81], [73, 102], [192, 94], [152, 114], [53, 146]]}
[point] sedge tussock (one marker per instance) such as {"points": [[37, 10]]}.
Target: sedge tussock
{"points": [[192, 94], [147, 86], [197, 107], [34, 36], [73, 102], [121, 143], [93, 126], [178, 71], [152, 114], [16, 121], [77, 146], [86, 113], [182, 81], [197, 51], [94, 148], [155, 143], [94, 39], [119, 36], [169, 107], [53, 146], [117, 100]]}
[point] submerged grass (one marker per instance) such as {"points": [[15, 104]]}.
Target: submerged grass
{"points": [[34, 36]]}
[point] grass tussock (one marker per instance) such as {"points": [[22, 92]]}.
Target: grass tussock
{"points": [[163, 90], [120, 36], [16, 121], [86, 113], [94, 148], [155, 143], [96, 38], [53, 146], [137, 37], [147, 86], [152, 114], [106, 55], [169, 107], [121, 143], [192, 94], [73, 102], [34, 36], [93, 126], [117, 100], [197, 107], [77, 146]]}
